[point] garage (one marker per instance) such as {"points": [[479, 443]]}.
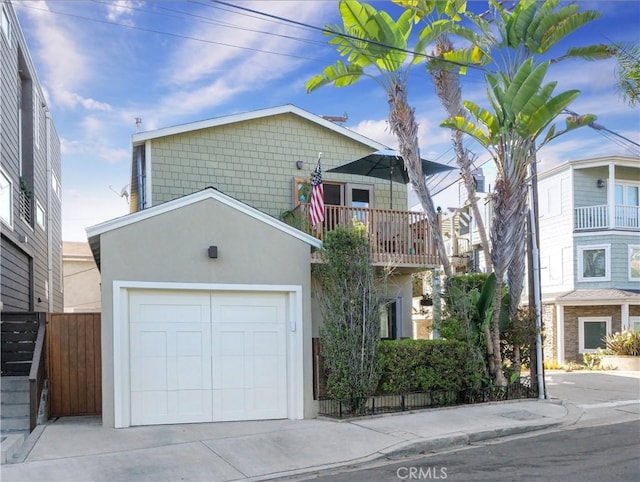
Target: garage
{"points": [[207, 356], [206, 314]]}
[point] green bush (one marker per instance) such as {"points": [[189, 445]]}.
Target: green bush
{"points": [[350, 310], [624, 343], [407, 366]]}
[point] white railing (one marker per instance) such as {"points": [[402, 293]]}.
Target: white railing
{"points": [[592, 217], [597, 217], [627, 216]]}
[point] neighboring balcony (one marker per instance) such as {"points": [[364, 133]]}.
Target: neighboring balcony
{"points": [[398, 238], [603, 217]]}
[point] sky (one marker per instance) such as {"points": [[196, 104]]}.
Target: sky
{"points": [[102, 64]]}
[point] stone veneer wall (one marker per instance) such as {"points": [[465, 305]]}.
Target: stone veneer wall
{"points": [[571, 315], [549, 333]]}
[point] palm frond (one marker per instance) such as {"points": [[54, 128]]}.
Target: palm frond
{"points": [[461, 124], [549, 111], [338, 74], [562, 27]]}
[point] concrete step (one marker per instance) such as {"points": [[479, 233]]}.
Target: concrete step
{"points": [[10, 444], [14, 424], [10, 410], [7, 397], [14, 383]]}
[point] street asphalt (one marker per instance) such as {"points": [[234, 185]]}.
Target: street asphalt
{"points": [[81, 449]]}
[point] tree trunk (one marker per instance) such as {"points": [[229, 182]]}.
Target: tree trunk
{"points": [[447, 84], [491, 362], [403, 124], [498, 376]]}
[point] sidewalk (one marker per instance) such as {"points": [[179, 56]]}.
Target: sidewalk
{"points": [[80, 449]]}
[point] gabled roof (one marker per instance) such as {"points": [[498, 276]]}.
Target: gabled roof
{"points": [[255, 114], [94, 232]]}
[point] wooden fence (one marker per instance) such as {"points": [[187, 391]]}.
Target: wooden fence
{"points": [[74, 363]]}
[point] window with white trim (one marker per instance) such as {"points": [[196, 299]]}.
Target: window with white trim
{"points": [[4, 23], [634, 262], [634, 323], [40, 215], [594, 263], [591, 332], [6, 199]]}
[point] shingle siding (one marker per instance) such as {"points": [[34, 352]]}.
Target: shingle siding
{"points": [[262, 174]]}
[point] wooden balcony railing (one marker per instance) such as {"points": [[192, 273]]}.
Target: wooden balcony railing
{"points": [[399, 238], [597, 217]]}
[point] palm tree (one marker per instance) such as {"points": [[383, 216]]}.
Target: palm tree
{"points": [[446, 80], [628, 58], [375, 46], [523, 109]]}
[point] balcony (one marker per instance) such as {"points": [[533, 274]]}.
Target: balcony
{"points": [[398, 238], [590, 218]]}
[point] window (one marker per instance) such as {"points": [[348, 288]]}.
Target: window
{"points": [[6, 199], [627, 205], [594, 263], [591, 333], [55, 184], [634, 323], [4, 23], [40, 215]]}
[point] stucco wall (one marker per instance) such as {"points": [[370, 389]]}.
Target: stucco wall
{"points": [[81, 278], [172, 247]]}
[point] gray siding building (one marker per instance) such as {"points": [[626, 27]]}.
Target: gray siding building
{"points": [[30, 181]]}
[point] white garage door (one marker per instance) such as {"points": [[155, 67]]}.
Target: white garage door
{"points": [[207, 356]]}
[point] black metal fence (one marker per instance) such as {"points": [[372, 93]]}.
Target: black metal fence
{"points": [[377, 404]]}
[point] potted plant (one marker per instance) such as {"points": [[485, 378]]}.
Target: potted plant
{"points": [[622, 350]]}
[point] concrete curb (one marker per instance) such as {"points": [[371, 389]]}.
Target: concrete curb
{"points": [[458, 439], [414, 447]]}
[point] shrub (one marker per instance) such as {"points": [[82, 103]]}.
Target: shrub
{"points": [[593, 360], [350, 311], [624, 343], [407, 366]]}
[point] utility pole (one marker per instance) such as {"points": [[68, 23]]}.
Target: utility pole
{"points": [[533, 258]]}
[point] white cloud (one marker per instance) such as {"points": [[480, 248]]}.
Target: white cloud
{"points": [[58, 48], [378, 130], [72, 100], [122, 11], [200, 76], [92, 144]]}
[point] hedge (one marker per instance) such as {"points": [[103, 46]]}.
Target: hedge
{"points": [[407, 366]]}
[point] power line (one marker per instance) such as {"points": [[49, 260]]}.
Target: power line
{"points": [[208, 20], [159, 32], [346, 35]]}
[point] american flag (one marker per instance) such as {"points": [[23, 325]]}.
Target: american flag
{"points": [[316, 209]]}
